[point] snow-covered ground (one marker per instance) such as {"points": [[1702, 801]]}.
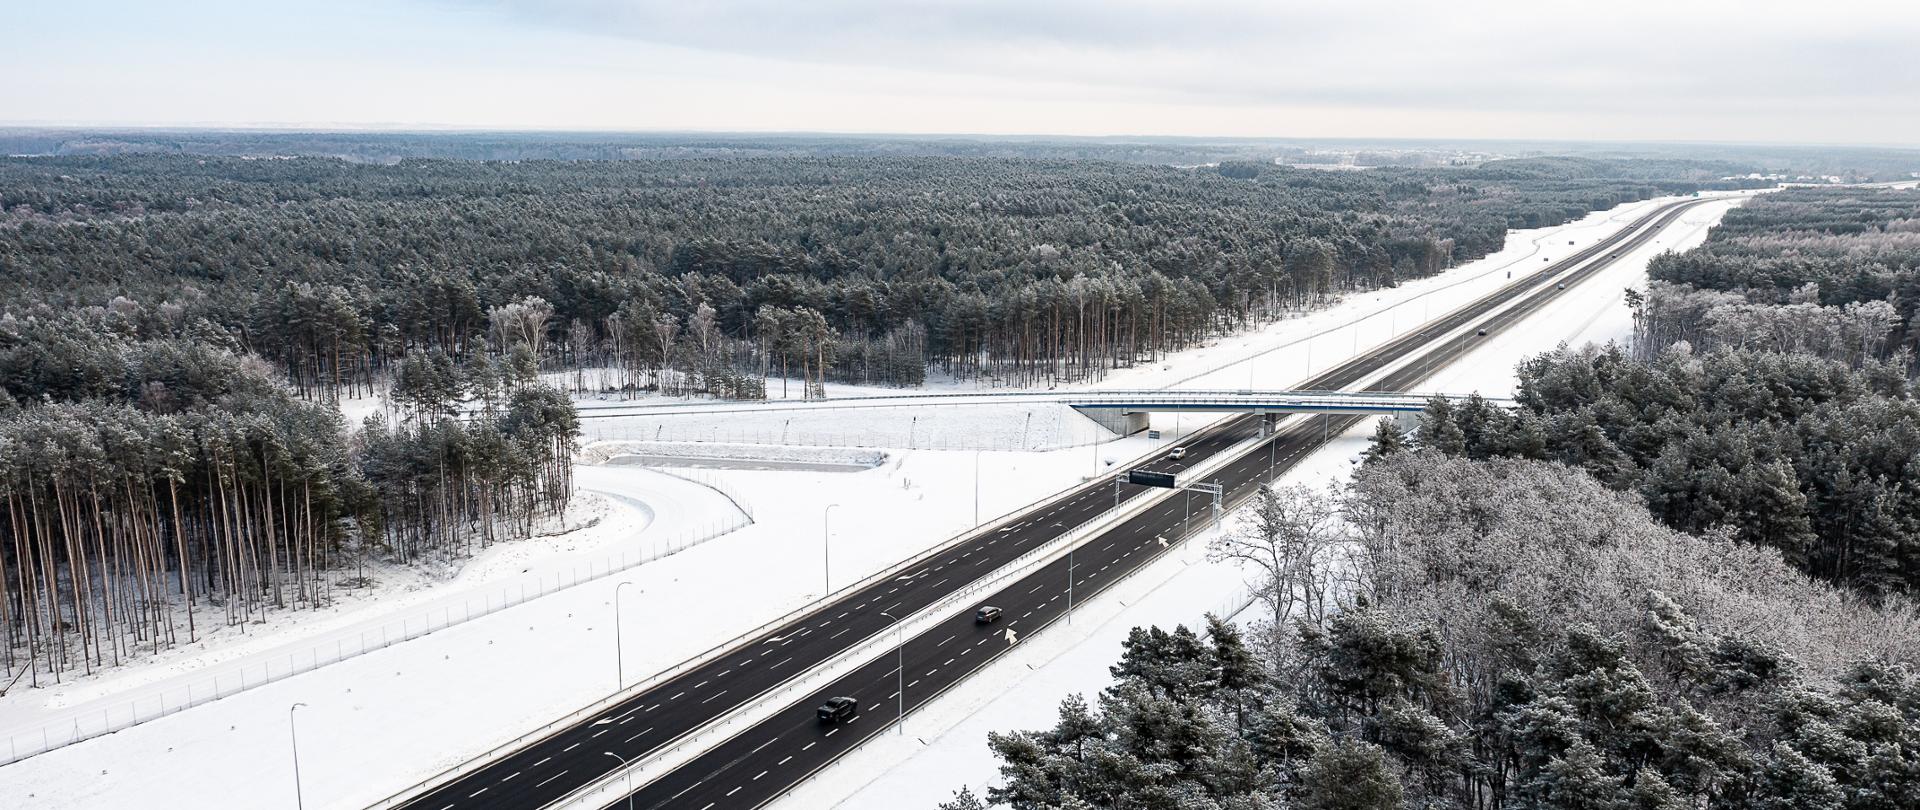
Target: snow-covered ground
{"points": [[379, 721], [945, 744], [604, 531]]}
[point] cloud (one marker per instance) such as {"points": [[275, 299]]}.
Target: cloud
{"points": [[1495, 56], [1635, 69]]}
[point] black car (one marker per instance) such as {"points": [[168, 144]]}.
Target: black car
{"points": [[839, 710], [1481, 333], [987, 614]]}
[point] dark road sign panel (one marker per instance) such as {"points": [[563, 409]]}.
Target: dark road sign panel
{"points": [[1150, 479]]}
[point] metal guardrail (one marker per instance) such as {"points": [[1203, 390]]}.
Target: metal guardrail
{"points": [[739, 641], [1250, 401], [859, 654], [1090, 399], [1237, 603], [774, 697]]}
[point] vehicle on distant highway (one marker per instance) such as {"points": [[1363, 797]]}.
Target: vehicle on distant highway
{"points": [[1177, 453], [839, 710], [1481, 333], [987, 614], [1559, 286]]}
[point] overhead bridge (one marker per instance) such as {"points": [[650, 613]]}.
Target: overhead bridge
{"points": [[1125, 412], [1122, 411]]}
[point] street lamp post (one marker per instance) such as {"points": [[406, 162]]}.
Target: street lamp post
{"points": [[1070, 584], [623, 764], [900, 670], [826, 551], [299, 798], [619, 655]]}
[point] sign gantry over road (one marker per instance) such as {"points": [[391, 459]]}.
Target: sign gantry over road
{"points": [[1152, 479]]}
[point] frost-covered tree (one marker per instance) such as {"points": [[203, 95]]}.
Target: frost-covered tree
{"points": [[1291, 541], [1349, 775]]}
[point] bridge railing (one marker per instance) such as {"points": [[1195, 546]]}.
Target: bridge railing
{"points": [[1371, 402], [1074, 399]]}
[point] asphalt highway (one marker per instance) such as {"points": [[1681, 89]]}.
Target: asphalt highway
{"points": [[764, 760]]}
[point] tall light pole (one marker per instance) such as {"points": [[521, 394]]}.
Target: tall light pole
{"points": [[1070, 584], [900, 670], [623, 764], [619, 655], [826, 554], [299, 798]]}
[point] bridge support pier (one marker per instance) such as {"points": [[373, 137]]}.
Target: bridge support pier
{"points": [[1122, 424], [1268, 423]]}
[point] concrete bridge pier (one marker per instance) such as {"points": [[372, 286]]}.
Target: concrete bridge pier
{"points": [[1122, 424], [1269, 422]]}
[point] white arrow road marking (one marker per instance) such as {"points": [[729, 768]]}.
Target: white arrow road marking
{"points": [[1011, 638]]}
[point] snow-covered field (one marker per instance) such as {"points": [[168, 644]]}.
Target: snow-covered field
{"points": [[604, 531], [374, 723]]}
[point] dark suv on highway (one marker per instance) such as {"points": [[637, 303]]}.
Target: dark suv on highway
{"points": [[839, 710]]}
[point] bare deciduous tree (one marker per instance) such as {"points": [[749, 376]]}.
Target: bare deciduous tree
{"points": [[1291, 539]]}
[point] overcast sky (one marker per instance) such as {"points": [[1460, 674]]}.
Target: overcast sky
{"points": [[1840, 71]]}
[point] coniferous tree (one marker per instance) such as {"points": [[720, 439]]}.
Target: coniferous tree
{"points": [[1349, 775]]}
